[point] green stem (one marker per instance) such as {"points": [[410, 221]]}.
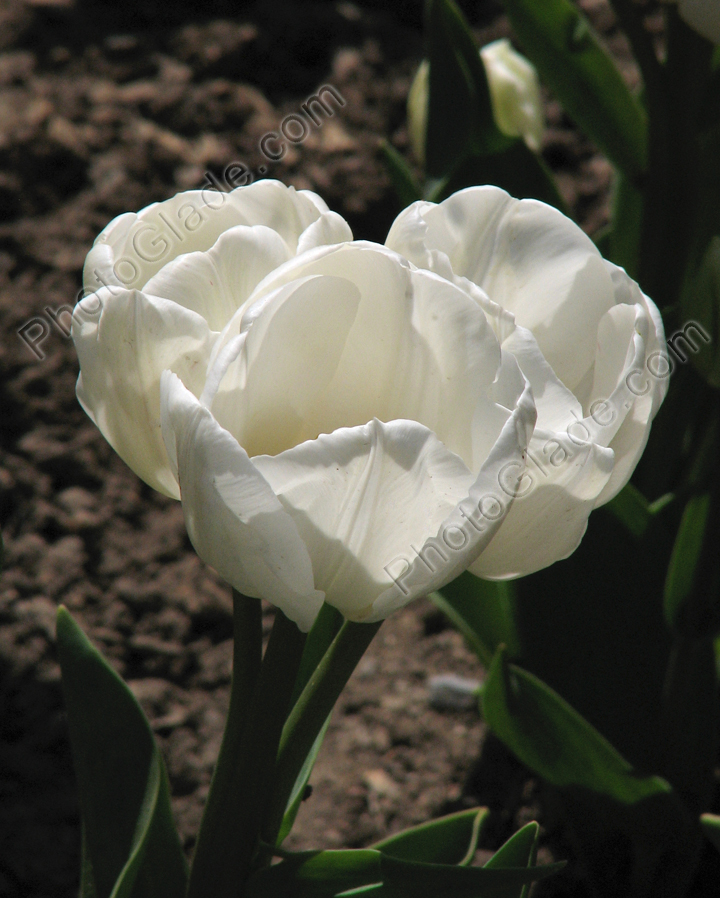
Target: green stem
{"points": [[310, 713], [229, 834]]}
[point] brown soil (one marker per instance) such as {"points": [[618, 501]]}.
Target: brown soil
{"points": [[105, 108]]}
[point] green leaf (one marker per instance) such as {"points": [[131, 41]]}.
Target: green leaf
{"points": [[548, 735], [319, 639], [321, 874], [406, 879], [700, 305], [691, 720], [515, 168], [298, 792], [711, 827], [518, 849], [482, 611], [131, 848], [447, 840], [632, 508], [685, 556], [558, 39], [609, 806], [460, 118], [401, 175], [627, 220], [317, 874]]}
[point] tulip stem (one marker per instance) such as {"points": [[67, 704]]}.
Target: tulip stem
{"points": [[242, 781], [310, 713]]}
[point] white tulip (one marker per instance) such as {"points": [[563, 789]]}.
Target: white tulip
{"points": [[514, 95], [162, 284], [359, 439], [589, 342]]}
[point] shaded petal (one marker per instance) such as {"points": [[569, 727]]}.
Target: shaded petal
{"points": [[217, 282], [553, 502], [285, 361], [703, 16], [234, 520], [419, 348], [124, 341], [362, 495], [478, 517], [556, 405], [528, 257]]}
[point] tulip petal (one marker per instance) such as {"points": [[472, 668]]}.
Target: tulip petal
{"points": [[478, 516], [234, 520], [387, 512], [419, 349], [528, 257], [362, 495], [553, 502], [556, 405], [217, 282], [124, 341], [329, 229], [303, 327], [703, 16], [191, 222]]}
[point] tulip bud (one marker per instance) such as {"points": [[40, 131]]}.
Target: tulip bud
{"points": [[514, 94]]}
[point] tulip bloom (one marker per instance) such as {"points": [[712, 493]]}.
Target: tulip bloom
{"points": [[355, 438], [587, 339], [355, 423]]}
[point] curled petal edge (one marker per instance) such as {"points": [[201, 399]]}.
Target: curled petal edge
{"points": [[479, 515], [235, 521]]}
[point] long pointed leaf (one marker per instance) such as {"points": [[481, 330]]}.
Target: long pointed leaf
{"points": [[548, 735], [446, 840], [130, 844]]}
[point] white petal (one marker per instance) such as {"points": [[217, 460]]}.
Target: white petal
{"points": [[124, 341], [329, 229], [217, 282], [556, 405], [628, 292], [419, 349], [286, 359], [192, 221], [554, 499], [98, 268], [235, 521], [360, 497], [478, 517], [529, 258]]}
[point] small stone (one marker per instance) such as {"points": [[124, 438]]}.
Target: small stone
{"points": [[451, 693]]}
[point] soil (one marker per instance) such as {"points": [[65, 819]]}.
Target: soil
{"points": [[105, 108]]}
